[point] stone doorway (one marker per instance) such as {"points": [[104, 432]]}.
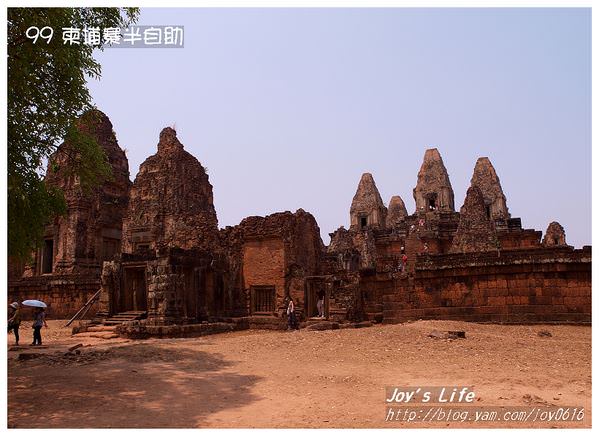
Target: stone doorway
{"points": [[191, 294], [313, 289], [135, 292]]}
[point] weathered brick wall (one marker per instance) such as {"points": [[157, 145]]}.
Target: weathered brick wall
{"points": [[264, 265], [278, 250], [527, 238], [64, 295], [517, 287], [15, 268]]}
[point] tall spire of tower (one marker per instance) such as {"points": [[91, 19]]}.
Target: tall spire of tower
{"points": [[397, 211], [367, 208], [486, 179], [433, 190]]}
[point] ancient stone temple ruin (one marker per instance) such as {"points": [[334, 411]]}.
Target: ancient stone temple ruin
{"points": [[65, 270], [170, 243], [153, 248]]}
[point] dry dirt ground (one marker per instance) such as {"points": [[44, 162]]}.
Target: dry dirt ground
{"points": [[333, 378]]}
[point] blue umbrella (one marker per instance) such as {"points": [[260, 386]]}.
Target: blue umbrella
{"points": [[34, 303]]}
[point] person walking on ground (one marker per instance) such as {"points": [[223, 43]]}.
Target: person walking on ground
{"points": [[291, 319], [39, 321], [14, 321], [320, 304]]}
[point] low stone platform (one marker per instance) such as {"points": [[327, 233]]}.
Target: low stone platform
{"points": [[267, 323], [140, 330]]}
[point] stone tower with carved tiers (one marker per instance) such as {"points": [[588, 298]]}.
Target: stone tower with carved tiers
{"points": [[486, 179], [171, 203], [433, 190], [367, 209]]}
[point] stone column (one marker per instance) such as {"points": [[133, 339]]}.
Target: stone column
{"points": [[163, 304]]}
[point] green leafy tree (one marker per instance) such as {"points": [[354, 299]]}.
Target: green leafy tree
{"points": [[47, 92]]}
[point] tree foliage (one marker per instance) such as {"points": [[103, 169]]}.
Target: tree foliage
{"points": [[47, 92]]}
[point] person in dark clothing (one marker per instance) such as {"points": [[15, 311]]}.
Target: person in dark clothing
{"points": [[14, 321], [39, 321], [291, 318]]}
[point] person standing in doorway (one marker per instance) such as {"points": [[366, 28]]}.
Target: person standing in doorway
{"points": [[39, 321], [320, 304], [14, 322], [291, 319]]}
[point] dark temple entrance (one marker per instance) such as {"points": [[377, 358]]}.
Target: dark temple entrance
{"points": [[313, 289], [135, 294]]}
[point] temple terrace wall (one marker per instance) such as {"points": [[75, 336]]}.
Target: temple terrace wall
{"points": [[64, 294], [523, 286]]}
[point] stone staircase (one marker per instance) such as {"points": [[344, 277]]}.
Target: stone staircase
{"points": [[122, 317], [105, 328], [99, 331], [374, 312]]}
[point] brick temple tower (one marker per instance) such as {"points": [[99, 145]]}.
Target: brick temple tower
{"points": [[90, 231], [486, 179], [397, 211], [433, 190], [475, 232], [555, 235], [171, 201], [367, 208]]}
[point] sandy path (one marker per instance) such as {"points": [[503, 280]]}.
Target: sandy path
{"points": [[296, 379]]}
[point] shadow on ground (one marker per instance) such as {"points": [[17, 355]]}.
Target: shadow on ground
{"points": [[139, 385]]}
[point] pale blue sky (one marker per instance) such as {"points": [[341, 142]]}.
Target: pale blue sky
{"points": [[287, 108]]}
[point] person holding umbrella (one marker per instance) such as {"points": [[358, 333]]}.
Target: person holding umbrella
{"points": [[39, 319]]}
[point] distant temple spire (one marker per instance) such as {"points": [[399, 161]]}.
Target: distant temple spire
{"points": [[475, 231], [396, 212], [367, 208], [554, 235], [433, 190], [486, 179]]}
